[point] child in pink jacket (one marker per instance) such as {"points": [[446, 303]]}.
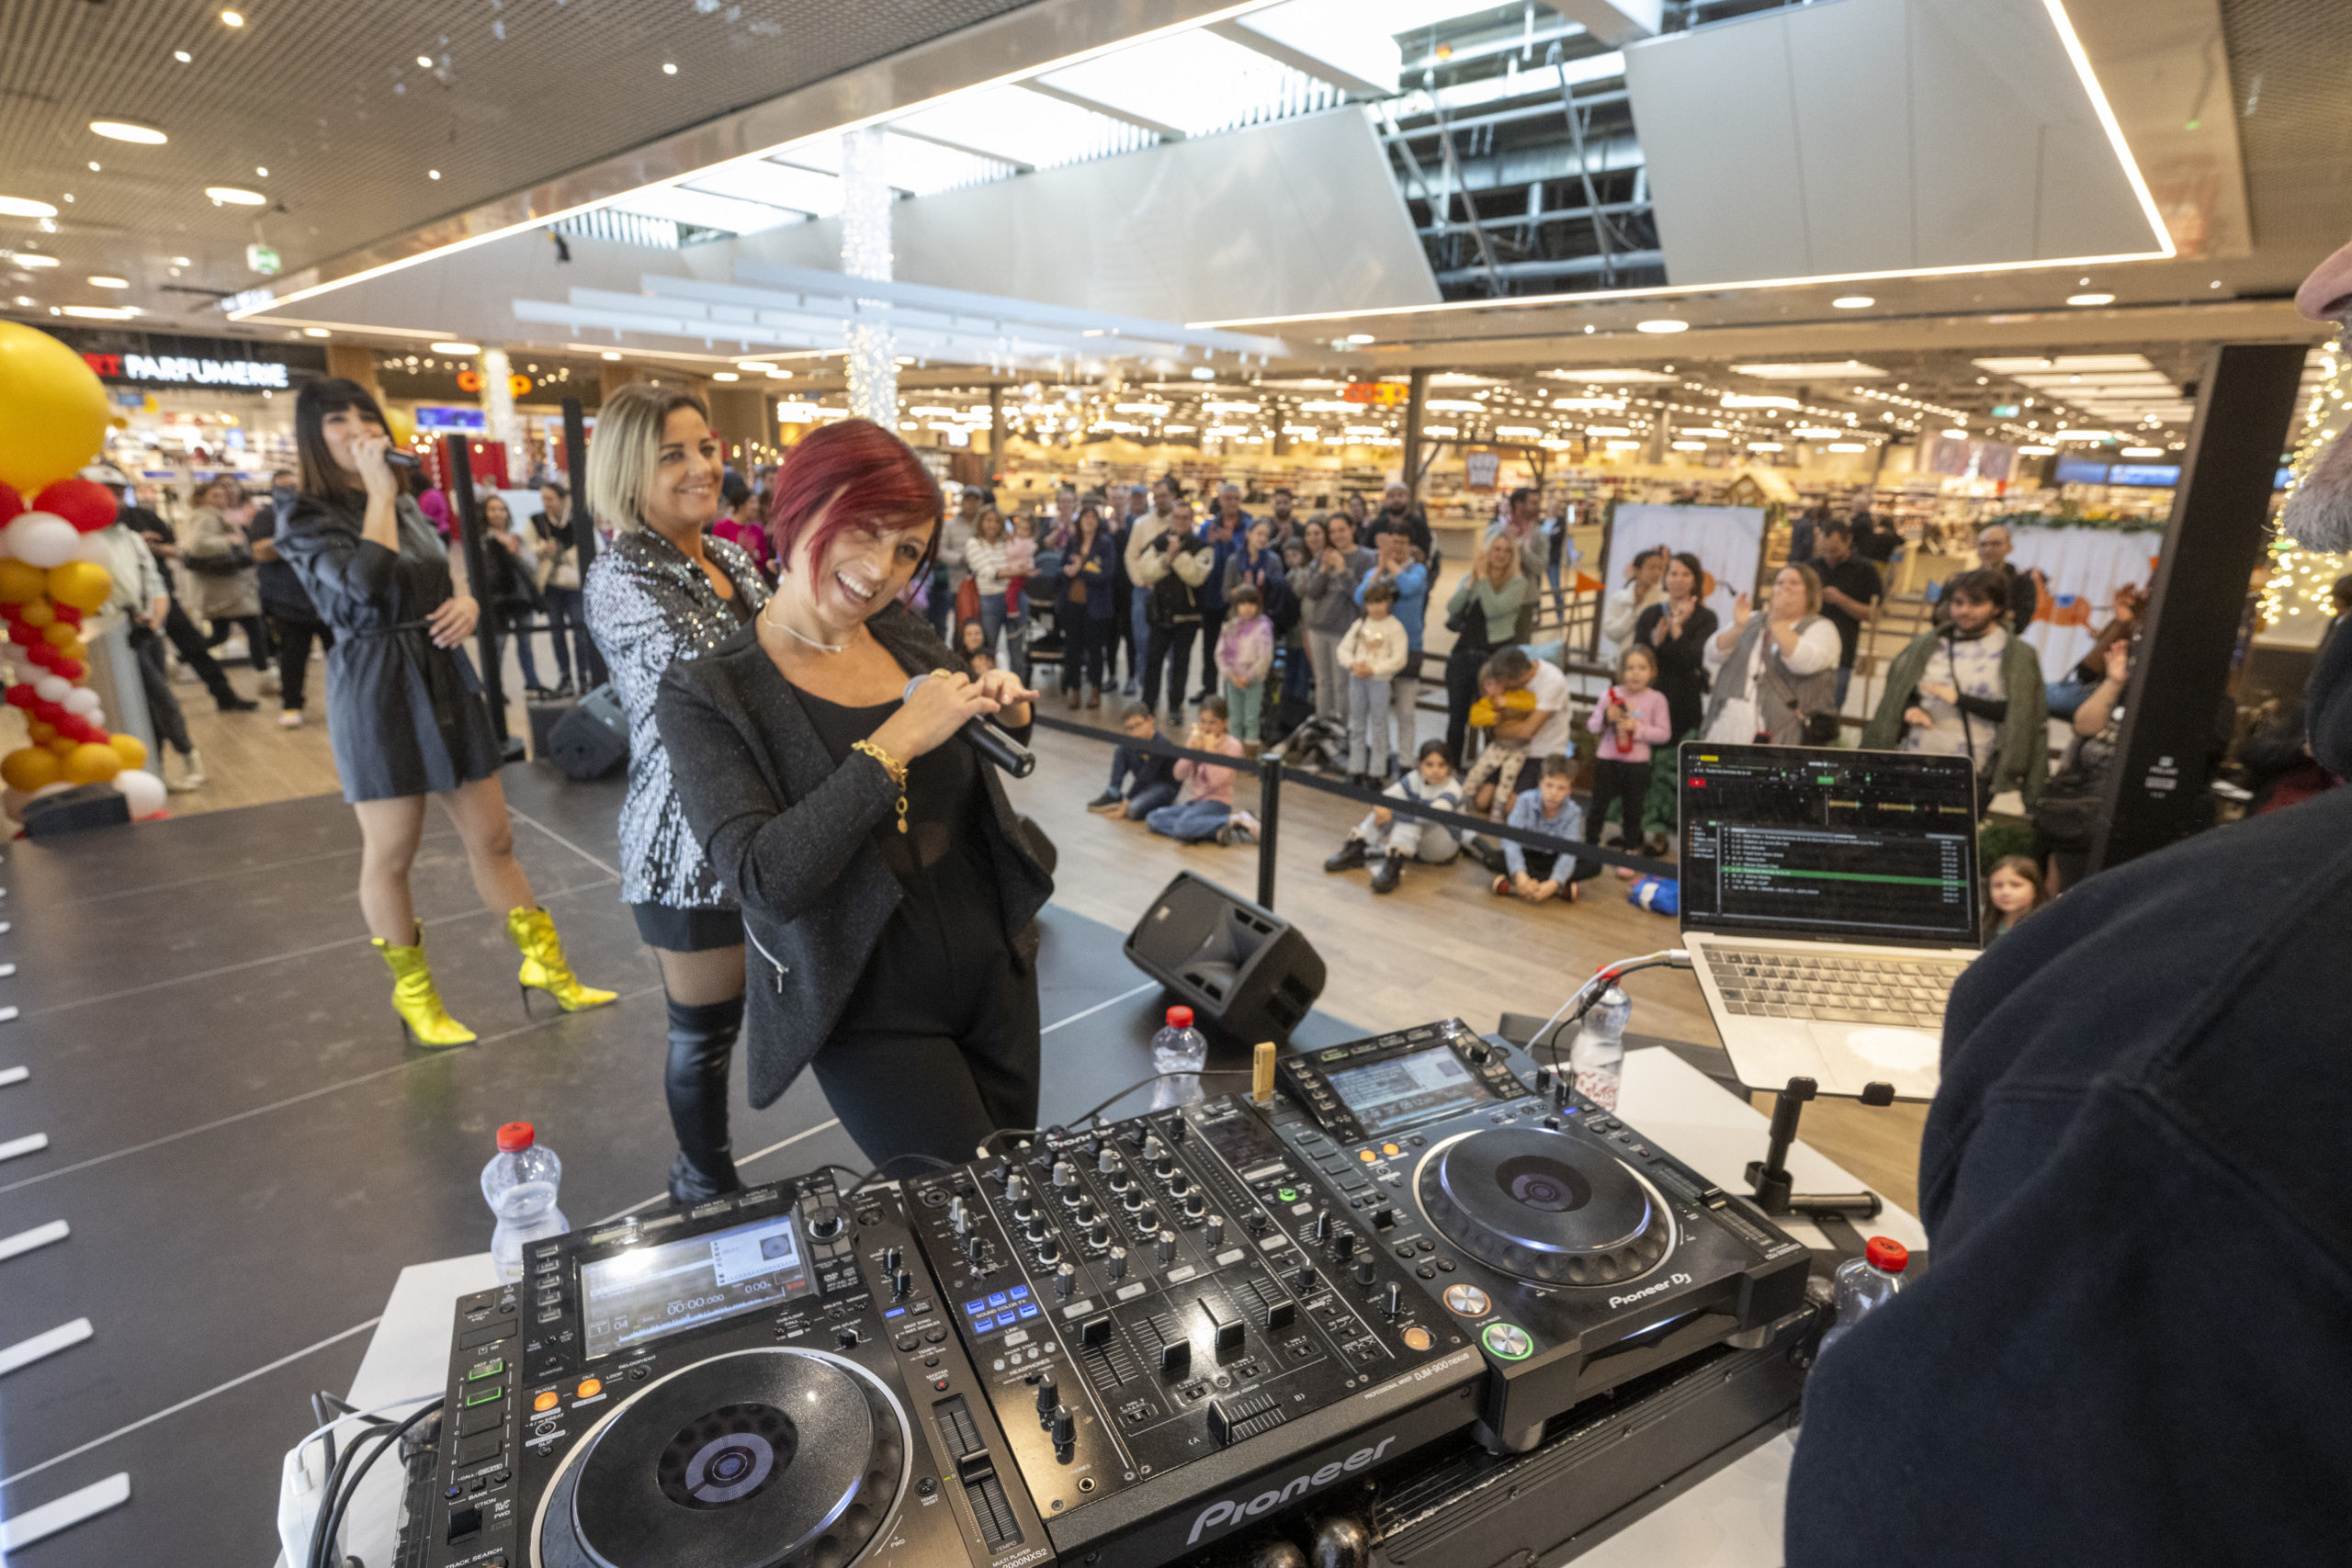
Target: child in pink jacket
{"points": [[1245, 653], [1204, 808], [1630, 721]]}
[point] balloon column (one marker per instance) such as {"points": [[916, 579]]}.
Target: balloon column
{"points": [[54, 572]]}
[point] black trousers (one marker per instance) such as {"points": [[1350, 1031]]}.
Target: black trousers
{"points": [[1212, 680], [1169, 651], [163, 703], [295, 634], [196, 654], [1083, 649], [1461, 666], [256, 637], [934, 1069], [1627, 784]]}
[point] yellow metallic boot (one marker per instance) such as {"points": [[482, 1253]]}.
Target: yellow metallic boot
{"points": [[544, 967], [427, 1022]]}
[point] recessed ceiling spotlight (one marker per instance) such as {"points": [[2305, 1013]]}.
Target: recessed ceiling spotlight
{"points": [[432, 173], [25, 207], [1958, 432], [1362, 337], [2091, 299], [34, 259], [27, 300], [94, 168], [236, 196], [130, 131], [98, 313], [104, 281], [424, 60], [466, 348], [609, 353], [262, 172], [182, 55], [1853, 302], [669, 68], [232, 18], [725, 375], [1666, 324], [316, 332]]}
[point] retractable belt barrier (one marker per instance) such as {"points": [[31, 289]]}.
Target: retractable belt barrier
{"points": [[1272, 775]]}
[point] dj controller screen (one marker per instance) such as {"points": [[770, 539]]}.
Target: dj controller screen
{"points": [[1406, 1089], [650, 1291], [1870, 847]]}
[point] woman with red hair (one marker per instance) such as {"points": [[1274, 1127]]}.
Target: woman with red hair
{"points": [[888, 898]]}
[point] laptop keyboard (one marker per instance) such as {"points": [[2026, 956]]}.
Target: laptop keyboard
{"points": [[1902, 992]]}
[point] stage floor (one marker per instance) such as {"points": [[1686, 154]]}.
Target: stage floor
{"points": [[247, 1152]]}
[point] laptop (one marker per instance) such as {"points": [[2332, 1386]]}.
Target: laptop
{"points": [[1829, 898]]}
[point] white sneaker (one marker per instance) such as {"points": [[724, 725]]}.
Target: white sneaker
{"points": [[191, 775], [292, 718], [269, 686]]}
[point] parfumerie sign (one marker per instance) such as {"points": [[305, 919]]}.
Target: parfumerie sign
{"points": [[178, 371]]}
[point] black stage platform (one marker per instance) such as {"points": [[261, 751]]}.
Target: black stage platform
{"points": [[247, 1152]]}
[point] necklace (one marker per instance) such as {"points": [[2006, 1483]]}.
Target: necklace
{"points": [[789, 630]]}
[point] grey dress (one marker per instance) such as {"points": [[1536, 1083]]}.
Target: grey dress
{"points": [[406, 717], [647, 606]]}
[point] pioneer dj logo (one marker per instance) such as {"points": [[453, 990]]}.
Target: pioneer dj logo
{"points": [[1647, 1291], [1225, 1515]]}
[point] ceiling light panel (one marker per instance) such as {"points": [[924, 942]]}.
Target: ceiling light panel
{"points": [[1611, 377], [1194, 81], [925, 168], [681, 205], [1842, 370], [774, 184], [1021, 127], [1356, 36]]}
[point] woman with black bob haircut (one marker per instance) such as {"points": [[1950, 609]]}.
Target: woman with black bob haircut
{"points": [[662, 591], [403, 709], [888, 896]]}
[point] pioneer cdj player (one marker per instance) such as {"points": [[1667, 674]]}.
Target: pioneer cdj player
{"points": [[1127, 1346]]}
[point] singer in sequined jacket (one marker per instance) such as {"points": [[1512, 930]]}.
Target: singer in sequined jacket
{"points": [[648, 606]]}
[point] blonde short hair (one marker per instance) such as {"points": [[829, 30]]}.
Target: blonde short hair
{"points": [[1812, 581], [626, 445]]}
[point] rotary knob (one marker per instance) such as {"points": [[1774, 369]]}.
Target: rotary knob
{"points": [[1064, 1176], [825, 1224], [891, 1257], [1366, 1272], [1148, 1217], [1086, 1210], [1098, 1233], [1194, 1205], [976, 1247], [1065, 1427], [1255, 1222], [1064, 1281], [902, 1284], [1048, 1396], [959, 1218], [1179, 1184], [1094, 1144], [1024, 1210], [1121, 1181], [1343, 1245], [1167, 1244], [1106, 1160], [1164, 1164], [1319, 1227], [1178, 1128], [1153, 1148], [1115, 1263], [1050, 1250], [1214, 1231], [1131, 1200], [1392, 1301], [1016, 1190], [1036, 1229], [1304, 1281]]}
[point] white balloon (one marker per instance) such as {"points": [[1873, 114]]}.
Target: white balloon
{"points": [[53, 688], [142, 789], [97, 717], [77, 699], [91, 548], [42, 539], [57, 788]]}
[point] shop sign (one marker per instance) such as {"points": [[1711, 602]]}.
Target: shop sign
{"points": [[263, 260], [471, 382], [1481, 471], [436, 416], [1380, 394], [175, 370]]}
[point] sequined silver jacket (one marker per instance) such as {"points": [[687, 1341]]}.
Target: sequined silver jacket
{"points": [[648, 606]]}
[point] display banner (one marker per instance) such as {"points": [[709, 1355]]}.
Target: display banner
{"points": [[1728, 541], [2082, 568]]}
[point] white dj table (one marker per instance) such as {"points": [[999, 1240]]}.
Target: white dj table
{"points": [[1730, 1520]]}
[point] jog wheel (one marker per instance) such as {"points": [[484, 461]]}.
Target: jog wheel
{"points": [[1545, 1206], [762, 1458]]}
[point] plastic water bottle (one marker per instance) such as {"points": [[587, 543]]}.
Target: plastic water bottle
{"points": [[1178, 1048], [1597, 1057], [519, 1184], [1863, 1282]]}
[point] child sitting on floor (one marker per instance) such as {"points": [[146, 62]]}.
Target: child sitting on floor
{"points": [[1143, 778], [1393, 839], [1538, 875], [1206, 810]]}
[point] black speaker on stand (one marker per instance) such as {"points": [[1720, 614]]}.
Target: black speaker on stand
{"points": [[591, 740], [1247, 973]]}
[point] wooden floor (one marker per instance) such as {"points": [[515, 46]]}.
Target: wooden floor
{"points": [[1442, 945]]}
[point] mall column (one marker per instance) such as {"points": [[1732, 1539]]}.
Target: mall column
{"points": [[2180, 666]]}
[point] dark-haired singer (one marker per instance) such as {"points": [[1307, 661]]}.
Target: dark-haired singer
{"points": [[889, 900]]}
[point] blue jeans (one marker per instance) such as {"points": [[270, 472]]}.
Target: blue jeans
{"points": [[1844, 679], [1368, 747], [2067, 697], [1150, 799], [1139, 628], [1191, 822], [992, 622]]}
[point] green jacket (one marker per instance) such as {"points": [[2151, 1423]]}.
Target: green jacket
{"points": [[2020, 753]]}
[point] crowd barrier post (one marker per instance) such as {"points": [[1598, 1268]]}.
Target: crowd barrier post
{"points": [[1270, 811], [584, 531]]}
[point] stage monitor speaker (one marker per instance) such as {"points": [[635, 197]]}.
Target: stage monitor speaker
{"points": [[1248, 974], [71, 810], [593, 739]]}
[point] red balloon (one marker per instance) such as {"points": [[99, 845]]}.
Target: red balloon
{"points": [[23, 636], [85, 504], [50, 713], [11, 503], [22, 696], [68, 614], [42, 654], [71, 668]]}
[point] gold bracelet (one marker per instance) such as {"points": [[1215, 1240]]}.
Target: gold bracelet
{"points": [[892, 766]]}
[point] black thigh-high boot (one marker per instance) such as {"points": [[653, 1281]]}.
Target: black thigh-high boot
{"points": [[702, 1041]]}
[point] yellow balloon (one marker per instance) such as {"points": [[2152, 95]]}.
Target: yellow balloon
{"points": [[130, 749], [57, 409], [27, 769], [78, 649], [84, 584], [43, 734], [61, 746], [92, 764], [57, 634], [39, 614], [21, 582]]}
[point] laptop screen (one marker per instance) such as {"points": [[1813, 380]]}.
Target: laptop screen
{"points": [[1830, 845]]}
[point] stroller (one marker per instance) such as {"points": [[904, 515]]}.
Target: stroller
{"points": [[1314, 743]]}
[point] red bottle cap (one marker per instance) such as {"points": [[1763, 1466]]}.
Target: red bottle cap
{"points": [[1180, 1018], [1884, 1252], [516, 1136]]}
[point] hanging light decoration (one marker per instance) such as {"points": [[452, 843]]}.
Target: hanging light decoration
{"points": [[866, 253], [2301, 580]]}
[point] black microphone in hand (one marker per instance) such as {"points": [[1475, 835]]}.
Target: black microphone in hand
{"points": [[989, 740], [400, 459]]}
